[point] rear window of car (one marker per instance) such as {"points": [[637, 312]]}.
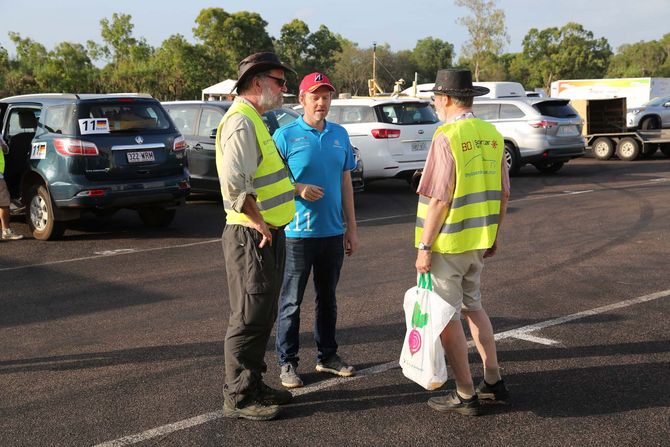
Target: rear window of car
{"points": [[351, 114], [184, 118], [555, 109], [55, 119], [408, 113], [486, 111], [127, 115]]}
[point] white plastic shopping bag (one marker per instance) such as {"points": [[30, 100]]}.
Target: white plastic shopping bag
{"points": [[426, 316]]}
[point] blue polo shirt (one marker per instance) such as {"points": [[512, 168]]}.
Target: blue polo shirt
{"points": [[316, 158]]}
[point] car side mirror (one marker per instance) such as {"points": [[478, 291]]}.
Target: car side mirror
{"points": [[212, 134], [667, 104]]}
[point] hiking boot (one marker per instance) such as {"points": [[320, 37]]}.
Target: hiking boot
{"points": [[497, 391], [255, 411], [9, 235], [289, 376], [335, 365], [453, 402], [270, 396]]}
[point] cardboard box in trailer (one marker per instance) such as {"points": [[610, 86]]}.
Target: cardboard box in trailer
{"points": [[606, 134], [637, 91]]}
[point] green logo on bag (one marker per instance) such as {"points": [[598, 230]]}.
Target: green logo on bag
{"points": [[418, 319]]}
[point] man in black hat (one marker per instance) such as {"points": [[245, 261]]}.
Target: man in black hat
{"points": [[258, 197], [463, 192]]}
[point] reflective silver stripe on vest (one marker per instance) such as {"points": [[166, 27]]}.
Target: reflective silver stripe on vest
{"points": [[269, 179], [472, 222], [469, 199], [275, 201]]}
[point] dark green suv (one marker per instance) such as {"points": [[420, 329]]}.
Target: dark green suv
{"points": [[70, 153]]}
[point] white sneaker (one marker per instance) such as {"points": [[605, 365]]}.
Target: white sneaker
{"points": [[9, 235]]}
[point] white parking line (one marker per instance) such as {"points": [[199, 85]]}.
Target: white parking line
{"points": [[521, 332]]}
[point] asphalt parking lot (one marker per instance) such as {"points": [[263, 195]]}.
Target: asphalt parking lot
{"points": [[114, 335]]}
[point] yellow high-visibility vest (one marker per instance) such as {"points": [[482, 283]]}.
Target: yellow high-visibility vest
{"points": [[275, 199], [2, 162], [472, 220]]}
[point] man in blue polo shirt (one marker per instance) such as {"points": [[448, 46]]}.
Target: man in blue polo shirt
{"points": [[318, 153]]}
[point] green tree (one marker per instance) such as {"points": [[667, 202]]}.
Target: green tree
{"points": [[181, 69], [231, 37], [293, 44], [430, 55], [565, 53], [352, 69], [67, 68], [638, 60], [487, 30]]}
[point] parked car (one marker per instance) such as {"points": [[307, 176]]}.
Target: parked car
{"points": [[545, 132], [654, 114], [198, 121], [392, 134], [75, 152]]}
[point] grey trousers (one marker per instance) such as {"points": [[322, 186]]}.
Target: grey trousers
{"points": [[254, 281]]}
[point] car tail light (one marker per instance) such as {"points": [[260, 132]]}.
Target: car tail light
{"points": [[183, 185], [70, 147], [92, 193], [543, 124], [179, 144], [385, 133]]}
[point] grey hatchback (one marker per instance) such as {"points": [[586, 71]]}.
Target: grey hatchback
{"points": [[198, 122], [75, 152]]}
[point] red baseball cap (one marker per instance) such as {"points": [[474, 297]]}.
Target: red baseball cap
{"points": [[315, 80]]}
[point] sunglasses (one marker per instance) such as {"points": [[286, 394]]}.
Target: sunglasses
{"points": [[281, 82]]}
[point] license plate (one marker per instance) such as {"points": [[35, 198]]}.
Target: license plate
{"points": [[139, 157], [567, 131], [418, 146]]}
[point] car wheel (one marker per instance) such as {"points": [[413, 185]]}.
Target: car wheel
{"points": [[650, 123], [665, 148], [603, 148], [41, 219], [512, 158], [156, 216], [549, 167], [628, 149]]}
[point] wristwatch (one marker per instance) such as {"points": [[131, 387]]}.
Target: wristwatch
{"points": [[423, 246]]}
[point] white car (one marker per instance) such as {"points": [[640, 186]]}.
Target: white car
{"points": [[392, 134]]}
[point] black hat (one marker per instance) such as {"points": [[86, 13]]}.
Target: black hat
{"points": [[456, 82], [257, 63]]}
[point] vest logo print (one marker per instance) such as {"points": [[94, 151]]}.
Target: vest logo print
{"points": [[419, 320]]}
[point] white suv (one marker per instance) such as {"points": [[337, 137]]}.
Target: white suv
{"points": [[392, 134]]}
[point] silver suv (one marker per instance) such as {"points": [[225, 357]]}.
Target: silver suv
{"points": [[545, 132], [654, 114]]}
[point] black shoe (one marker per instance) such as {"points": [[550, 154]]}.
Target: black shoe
{"points": [[270, 396], [497, 391], [453, 402], [255, 411]]}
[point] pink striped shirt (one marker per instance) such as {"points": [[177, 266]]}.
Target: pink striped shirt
{"points": [[439, 174]]}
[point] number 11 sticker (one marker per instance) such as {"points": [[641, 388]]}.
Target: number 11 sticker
{"points": [[93, 125]]}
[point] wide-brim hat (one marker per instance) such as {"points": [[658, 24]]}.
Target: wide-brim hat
{"points": [[257, 63], [456, 82]]}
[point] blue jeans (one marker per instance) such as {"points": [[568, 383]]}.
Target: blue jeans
{"points": [[324, 256]]}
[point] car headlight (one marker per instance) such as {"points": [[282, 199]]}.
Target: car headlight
{"points": [[635, 111]]}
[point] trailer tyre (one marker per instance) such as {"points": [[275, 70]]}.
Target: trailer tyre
{"points": [[666, 150], [603, 148], [628, 149]]}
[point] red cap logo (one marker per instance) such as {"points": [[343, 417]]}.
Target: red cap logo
{"points": [[315, 80]]}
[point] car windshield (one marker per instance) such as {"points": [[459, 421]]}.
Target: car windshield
{"points": [[658, 101], [127, 115], [408, 113], [556, 109]]}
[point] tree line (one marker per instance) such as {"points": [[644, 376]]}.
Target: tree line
{"points": [[179, 69]]}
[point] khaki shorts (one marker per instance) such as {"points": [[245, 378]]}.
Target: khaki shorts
{"points": [[4, 193], [456, 279]]}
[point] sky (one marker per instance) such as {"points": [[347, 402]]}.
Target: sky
{"points": [[399, 24]]}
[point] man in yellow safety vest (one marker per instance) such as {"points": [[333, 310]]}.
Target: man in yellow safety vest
{"points": [[463, 193], [258, 197]]}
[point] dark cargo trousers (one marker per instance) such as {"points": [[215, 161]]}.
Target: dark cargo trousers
{"points": [[254, 282]]}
